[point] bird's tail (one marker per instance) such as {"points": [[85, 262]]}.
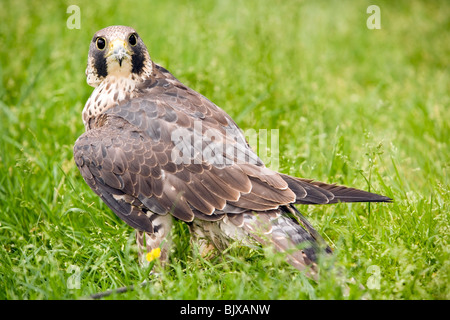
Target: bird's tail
{"points": [[316, 192], [287, 230]]}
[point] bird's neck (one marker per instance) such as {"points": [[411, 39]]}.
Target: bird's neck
{"points": [[110, 92], [114, 89]]}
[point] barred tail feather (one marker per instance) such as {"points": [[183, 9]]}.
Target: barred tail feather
{"points": [[316, 192]]}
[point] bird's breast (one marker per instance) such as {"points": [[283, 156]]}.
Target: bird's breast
{"points": [[110, 92]]}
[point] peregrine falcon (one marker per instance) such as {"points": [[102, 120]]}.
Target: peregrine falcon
{"points": [[155, 150]]}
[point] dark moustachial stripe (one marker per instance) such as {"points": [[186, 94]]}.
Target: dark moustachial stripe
{"points": [[100, 63], [137, 59]]}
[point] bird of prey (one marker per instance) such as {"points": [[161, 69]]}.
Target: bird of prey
{"points": [[155, 150]]}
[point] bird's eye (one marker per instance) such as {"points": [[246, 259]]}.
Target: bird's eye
{"points": [[132, 39], [101, 43]]}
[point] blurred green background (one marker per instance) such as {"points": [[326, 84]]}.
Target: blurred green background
{"points": [[365, 108]]}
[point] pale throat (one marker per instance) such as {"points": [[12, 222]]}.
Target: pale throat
{"points": [[111, 91], [119, 85]]}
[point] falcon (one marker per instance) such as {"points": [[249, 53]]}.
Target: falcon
{"points": [[155, 150]]}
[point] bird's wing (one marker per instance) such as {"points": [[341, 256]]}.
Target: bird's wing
{"points": [[172, 150]]}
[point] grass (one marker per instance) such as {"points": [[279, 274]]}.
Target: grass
{"points": [[365, 108]]}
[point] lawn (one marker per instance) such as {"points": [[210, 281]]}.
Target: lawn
{"points": [[367, 108]]}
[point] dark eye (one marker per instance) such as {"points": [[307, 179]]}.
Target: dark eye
{"points": [[132, 39], [101, 43]]}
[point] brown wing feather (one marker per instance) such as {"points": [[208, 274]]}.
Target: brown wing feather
{"points": [[117, 159]]}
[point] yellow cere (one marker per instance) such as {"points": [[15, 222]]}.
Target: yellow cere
{"points": [[154, 254]]}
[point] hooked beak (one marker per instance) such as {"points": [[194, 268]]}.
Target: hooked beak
{"points": [[119, 50]]}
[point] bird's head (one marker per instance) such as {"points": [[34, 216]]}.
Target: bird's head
{"points": [[117, 51]]}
